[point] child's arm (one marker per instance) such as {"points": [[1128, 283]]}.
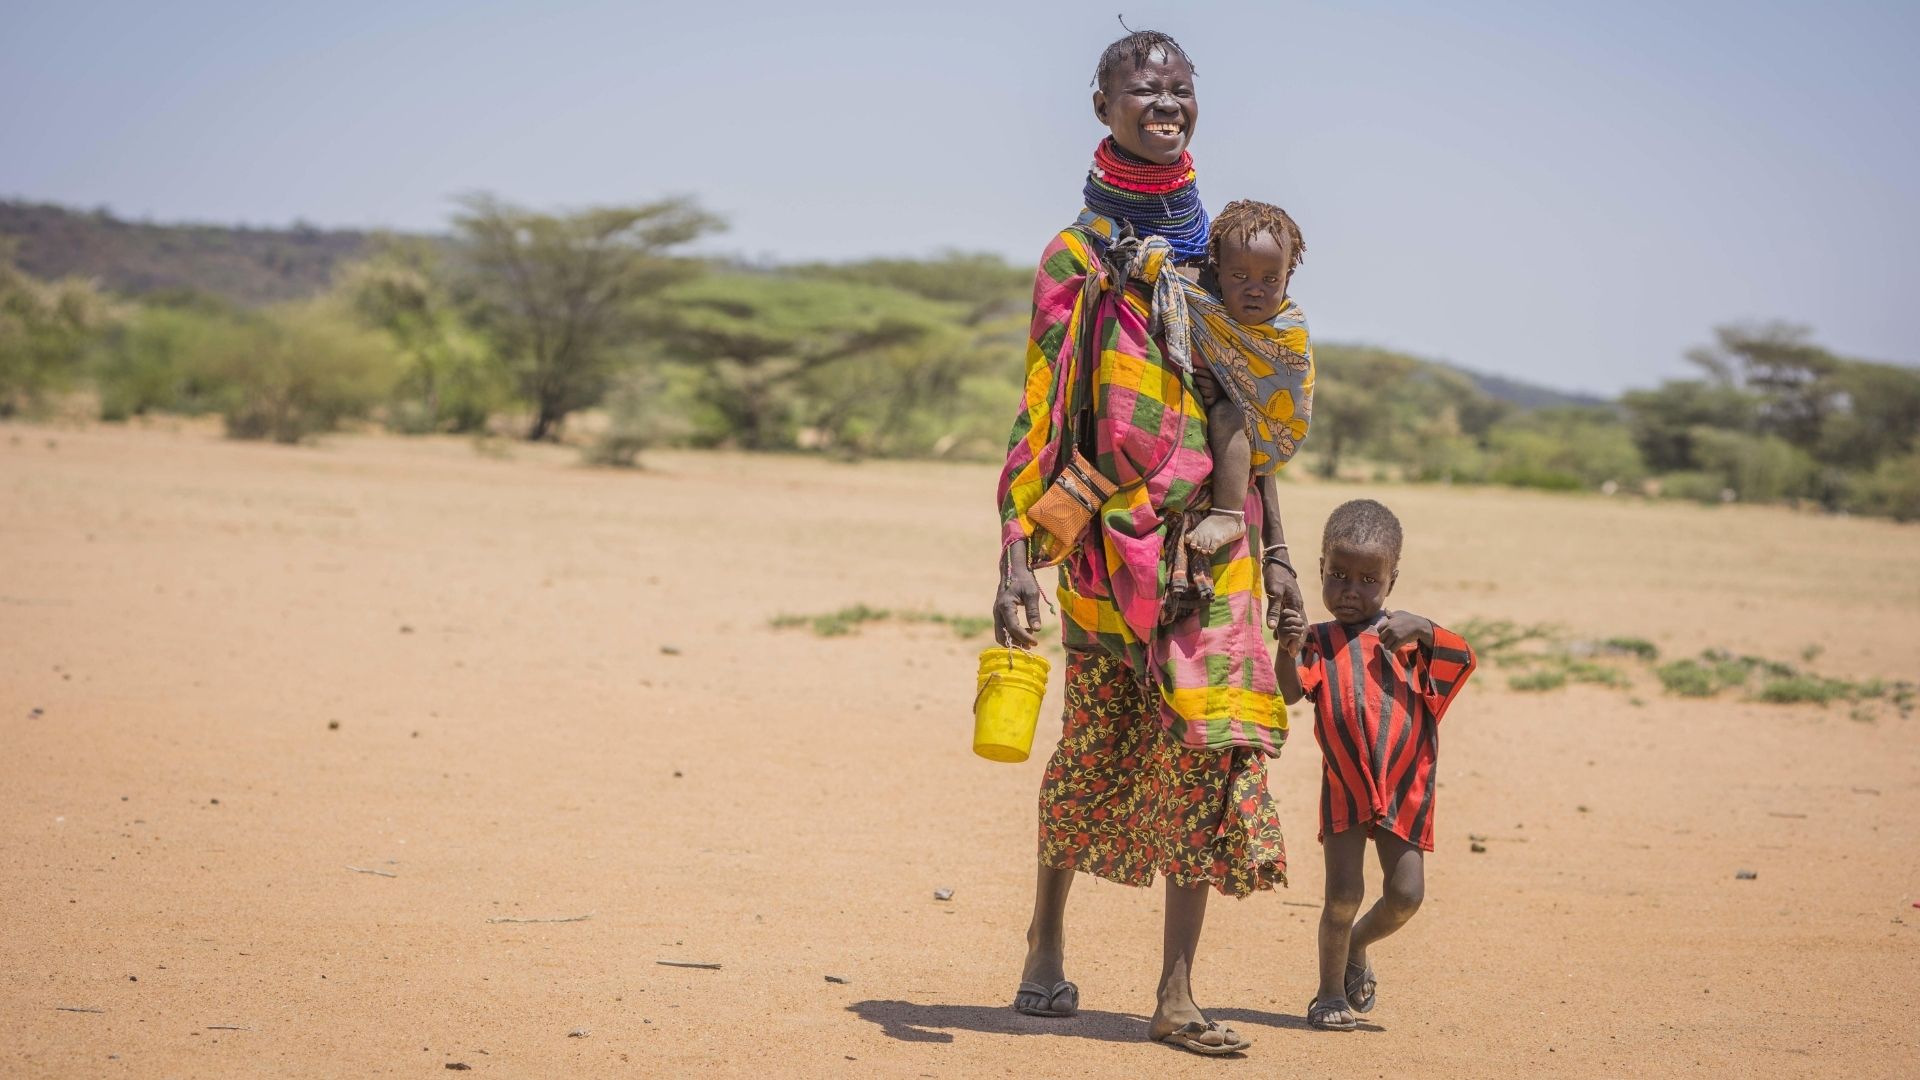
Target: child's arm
{"points": [[1445, 660], [1232, 467], [1286, 662]]}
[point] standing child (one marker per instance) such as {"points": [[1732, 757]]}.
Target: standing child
{"points": [[1380, 682]]}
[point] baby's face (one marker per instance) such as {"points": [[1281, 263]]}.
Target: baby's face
{"points": [[1253, 278]]}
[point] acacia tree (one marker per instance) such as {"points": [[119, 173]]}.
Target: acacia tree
{"points": [[759, 338], [556, 292]]}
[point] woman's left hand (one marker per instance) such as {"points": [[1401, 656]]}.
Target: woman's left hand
{"points": [[1283, 593]]}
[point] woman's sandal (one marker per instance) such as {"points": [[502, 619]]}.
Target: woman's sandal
{"points": [[1366, 983], [1032, 999], [1323, 1015], [1208, 1039]]}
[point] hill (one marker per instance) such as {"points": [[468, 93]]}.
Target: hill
{"points": [[255, 266], [247, 266]]}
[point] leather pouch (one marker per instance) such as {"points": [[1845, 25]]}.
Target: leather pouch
{"points": [[1067, 506]]}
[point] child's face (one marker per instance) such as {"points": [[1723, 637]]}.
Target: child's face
{"points": [[1355, 581], [1253, 278], [1150, 109]]}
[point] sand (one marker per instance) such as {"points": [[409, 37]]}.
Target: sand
{"points": [[557, 694]]}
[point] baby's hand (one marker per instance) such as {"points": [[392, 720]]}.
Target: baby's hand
{"points": [[1216, 531], [1403, 628], [1292, 631], [1206, 385]]}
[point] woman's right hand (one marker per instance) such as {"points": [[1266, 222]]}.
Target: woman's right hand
{"points": [[1016, 605]]}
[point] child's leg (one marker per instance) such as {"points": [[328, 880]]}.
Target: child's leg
{"points": [[1346, 886], [1405, 885], [1232, 472], [1232, 454]]}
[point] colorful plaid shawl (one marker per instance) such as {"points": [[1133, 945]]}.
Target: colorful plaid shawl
{"points": [[1211, 669], [1267, 369]]}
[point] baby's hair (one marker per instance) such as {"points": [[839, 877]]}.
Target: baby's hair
{"points": [[1363, 523], [1133, 50], [1244, 219]]}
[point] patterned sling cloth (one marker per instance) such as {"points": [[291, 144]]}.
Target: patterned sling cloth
{"points": [[1211, 670], [1267, 368]]}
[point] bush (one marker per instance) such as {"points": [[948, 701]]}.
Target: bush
{"points": [[1697, 678], [1563, 449], [1891, 489], [45, 330], [1758, 468], [298, 370], [1633, 646], [157, 361], [1695, 486], [638, 418]]}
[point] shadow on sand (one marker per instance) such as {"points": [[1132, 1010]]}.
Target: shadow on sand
{"points": [[910, 1022]]}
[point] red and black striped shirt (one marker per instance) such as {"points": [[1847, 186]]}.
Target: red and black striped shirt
{"points": [[1377, 717]]}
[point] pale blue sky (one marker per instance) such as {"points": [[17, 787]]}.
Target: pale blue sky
{"points": [[1568, 193]]}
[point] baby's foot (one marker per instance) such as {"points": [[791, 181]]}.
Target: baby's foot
{"points": [[1216, 531]]}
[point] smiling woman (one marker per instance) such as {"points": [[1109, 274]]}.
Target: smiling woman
{"points": [[1171, 706]]}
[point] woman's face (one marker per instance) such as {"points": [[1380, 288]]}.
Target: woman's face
{"points": [[1152, 109]]}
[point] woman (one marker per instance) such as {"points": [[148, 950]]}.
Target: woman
{"points": [[1171, 705]]}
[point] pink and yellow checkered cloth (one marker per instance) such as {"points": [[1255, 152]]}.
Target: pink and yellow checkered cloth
{"points": [[1212, 669]]}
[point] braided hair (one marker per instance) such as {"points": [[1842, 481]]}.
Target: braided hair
{"points": [[1135, 49], [1244, 219], [1363, 523]]}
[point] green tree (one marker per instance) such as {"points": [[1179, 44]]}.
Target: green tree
{"points": [[780, 352], [557, 293]]}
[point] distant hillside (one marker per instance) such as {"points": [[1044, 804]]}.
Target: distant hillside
{"points": [[244, 265], [1526, 395], [251, 267]]}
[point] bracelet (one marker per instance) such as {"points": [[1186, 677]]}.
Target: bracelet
{"points": [[1241, 514], [1281, 546], [1272, 561]]}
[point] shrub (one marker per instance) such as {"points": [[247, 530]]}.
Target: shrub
{"points": [[298, 370], [157, 361], [45, 330], [1892, 489], [1758, 468], [1691, 678], [1632, 646], [637, 419], [1544, 679]]}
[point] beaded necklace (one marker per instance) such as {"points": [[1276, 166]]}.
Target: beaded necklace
{"points": [[1159, 200]]}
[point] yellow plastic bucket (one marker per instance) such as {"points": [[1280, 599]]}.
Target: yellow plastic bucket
{"points": [[1006, 703]]}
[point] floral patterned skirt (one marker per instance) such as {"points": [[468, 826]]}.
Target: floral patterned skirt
{"points": [[1123, 798]]}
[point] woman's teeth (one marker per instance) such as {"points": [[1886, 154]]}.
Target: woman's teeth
{"points": [[1164, 129]]}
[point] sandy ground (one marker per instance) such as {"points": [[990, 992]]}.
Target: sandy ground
{"points": [[557, 694]]}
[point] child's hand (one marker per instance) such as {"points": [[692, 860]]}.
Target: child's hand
{"points": [[1292, 631], [1216, 531], [1404, 627]]}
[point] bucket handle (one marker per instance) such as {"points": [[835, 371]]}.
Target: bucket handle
{"points": [[988, 685]]}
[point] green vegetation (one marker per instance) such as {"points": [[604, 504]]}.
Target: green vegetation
{"points": [[527, 318], [849, 619], [1548, 660]]}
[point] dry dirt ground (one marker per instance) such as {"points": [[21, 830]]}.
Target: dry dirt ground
{"points": [[557, 694]]}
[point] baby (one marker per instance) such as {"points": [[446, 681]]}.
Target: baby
{"points": [[1252, 253], [1380, 682]]}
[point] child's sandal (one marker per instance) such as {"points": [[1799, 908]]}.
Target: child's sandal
{"points": [[1324, 1015]]}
